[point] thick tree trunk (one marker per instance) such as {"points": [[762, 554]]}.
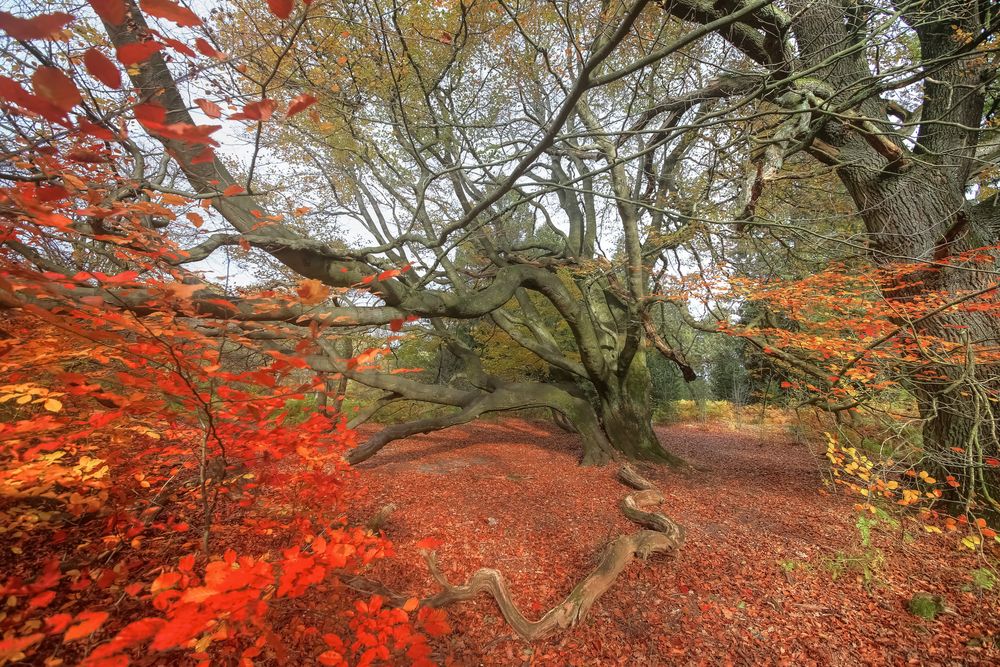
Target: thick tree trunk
{"points": [[923, 214], [961, 418], [626, 413]]}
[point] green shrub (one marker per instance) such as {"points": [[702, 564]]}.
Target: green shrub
{"points": [[983, 579], [926, 606]]}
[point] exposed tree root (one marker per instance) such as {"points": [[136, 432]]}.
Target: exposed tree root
{"points": [[628, 476], [662, 535]]}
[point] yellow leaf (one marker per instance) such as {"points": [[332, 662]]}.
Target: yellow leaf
{"points": [[52, 405]]}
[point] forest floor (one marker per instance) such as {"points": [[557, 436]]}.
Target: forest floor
{"points": [[774, 570]]}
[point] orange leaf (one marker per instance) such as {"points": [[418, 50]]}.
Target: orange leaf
{"points": [[411, 604], [102, 69], [43, 26], [281, 8], [195, 219], [233, 190], [312, 291], [165, 9], [210, 109], [86, 623], [53, 85], [300, 103]]}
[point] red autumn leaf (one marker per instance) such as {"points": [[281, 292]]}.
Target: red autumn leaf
{"points": [[150, 113], [210, 109], [111, 11], [87, 622], [179, 630], [12, 91], [137, 52], [152, 116], [281, 8], [429, 544], [179, 46], [119, 278], [259, 111], [330, 658], [435, 621], [195, 219], [139, 631], [42, 26], [54, 86], [59, 622], [992, 462], [396, 325], [300, 103], [41, 600], [206, 49], [165, 9], [233, 190], [85, 156], [102, 68], [186, 563]]}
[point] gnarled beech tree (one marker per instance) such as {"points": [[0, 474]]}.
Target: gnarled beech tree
{"points": [[492, 154], [473, 199]]}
